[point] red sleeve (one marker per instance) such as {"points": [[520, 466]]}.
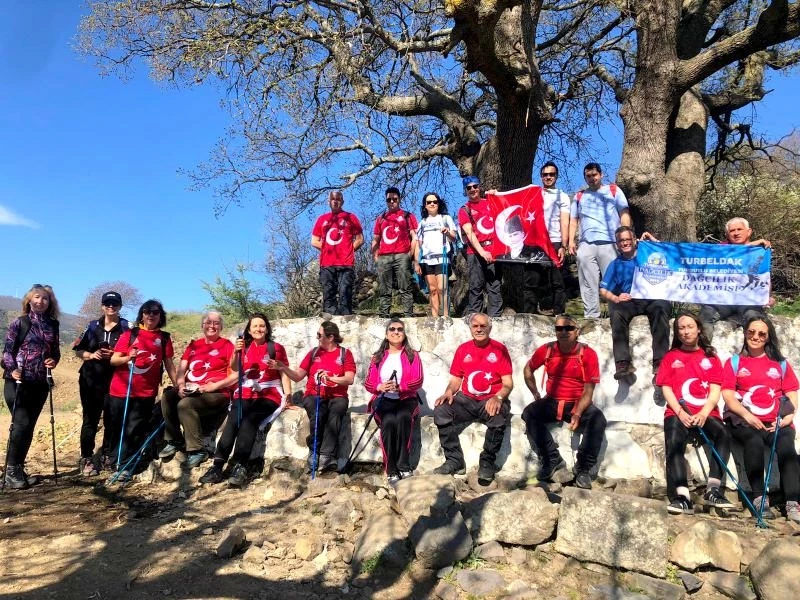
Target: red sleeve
{"points": [[123, 343], [317, 230], [463, 217], [715, 372], [185, 355], [728, 376], [413, 225], [305, 364], [413, 380], [356, 224], [373, 378], [789, 380], [592, 366], [505, 367], [537, 359], [457, 366], [169, 351], [349, 362], [664, 375]]}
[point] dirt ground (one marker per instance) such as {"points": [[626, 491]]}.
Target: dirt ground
{"points": [[81, 539]]}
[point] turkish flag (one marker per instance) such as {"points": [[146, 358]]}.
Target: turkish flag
{"points": [[520, 228]]}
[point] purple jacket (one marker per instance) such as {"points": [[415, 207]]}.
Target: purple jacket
{"points": [[410, 380], [40, 343]]}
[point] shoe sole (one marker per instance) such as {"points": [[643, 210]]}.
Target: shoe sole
{"points": [[679, 511]]}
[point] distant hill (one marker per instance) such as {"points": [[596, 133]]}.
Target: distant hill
{"points": [[10, 308]]}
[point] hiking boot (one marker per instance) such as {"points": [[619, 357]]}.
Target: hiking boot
{"points": [[310, 463], [406, 474], [624, 369], [196, 458], [88, 468], [238, 476], [450, 468], [547, 470], [680, 506], [31, 479], [213, 475], [714, 497], [123, 476], [768, 512], [15, 478], [169, 450], [393, 478], [326, 463], [793, 512], [583, 480], [485, 474]]}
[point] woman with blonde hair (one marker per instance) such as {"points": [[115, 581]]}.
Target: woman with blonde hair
{"points": [[31, 350]]}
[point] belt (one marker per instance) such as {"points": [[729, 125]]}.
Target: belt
{"points": [[560, 408]]}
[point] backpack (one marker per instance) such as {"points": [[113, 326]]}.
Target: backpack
{"points": [[22, 333], [562, 403], [315, 351], [611, 186]]}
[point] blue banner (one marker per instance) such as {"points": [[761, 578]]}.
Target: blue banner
{"points": [[731, 274]]}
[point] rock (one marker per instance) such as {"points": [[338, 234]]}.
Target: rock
{"points": [[423, 495], [231, 542], [522, 517], [445, 591], [384, 535], [775, 573], [444, 572], [618, 531], [321, 560], [277, 552], [254, 555], [480, 582], [517, 556], [692, 583], [341, 515], [440, 539], [521, 590], [704, 545], [656, 588], [491, 551], [732, 585], [208, 531], [596, 568], [381, 493], [307, 546], [635, 487], [609, 591], [346, 549]]}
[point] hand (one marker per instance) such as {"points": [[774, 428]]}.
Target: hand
{"points": [[647, 236], [623, 297], [16, 374], [686, 418], [771, 302], [96, 355], [387, 386], [238, 345], [787, 420], [493, 406], [574, 422], [573, 249], [417, 268], [487, 256], [181, 390], [699, 419], [106, 353], [49, 363], [446, 397], [755, 422], [561, 253], [132, 353], [275, 364]]}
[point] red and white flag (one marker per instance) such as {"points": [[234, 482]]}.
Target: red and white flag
{"points": [[520, 227]]}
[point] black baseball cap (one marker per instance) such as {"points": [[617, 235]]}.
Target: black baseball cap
{"points": [[110, 298]]}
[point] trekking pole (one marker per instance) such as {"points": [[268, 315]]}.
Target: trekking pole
{"points": [[125, 410], [378, 400], [445, 268], [759, 521], [11, 426], [771, 457], [51, 384], [318, 377], [137, 455], [241, 382]]}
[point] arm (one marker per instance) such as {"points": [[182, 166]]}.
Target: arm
{"points": [[736, 407], [531, 382], [316, 242], [412, 251], [373, 248], [672, 401], [564, 224], [452, 387], [648, 237], [625, 217], [572, 247], [215, 386], [582, 405], [476, 245], [286, 384], [760, 242], [180, 378], [169, 367], [495, 403], [713, 399], [358, 241], [411, 380]]}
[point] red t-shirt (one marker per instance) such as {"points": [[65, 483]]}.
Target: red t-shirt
{"points": [[330, 361], [395, 230], [337, 233], [146, 365], [481, 368], [258, 381], [482, 222], [566, 373], [207, 362], [690, 375], [759, 384]]}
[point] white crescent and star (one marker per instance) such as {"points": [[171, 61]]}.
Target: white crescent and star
{"points": [[191, 375], [483, 228], [747, 402], [390, 240], [471, 384], [500, 223], [686, 394], [140, 370], [330, 241], [251, 381]]}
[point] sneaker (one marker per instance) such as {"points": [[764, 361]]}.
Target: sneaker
{"points": [[393, 478], [714, 497], [196, 458], [213, 475], [624, 369], [123, 476], [15, 478], [793, 512], [406, 474], [326, 463], [768, 513], [681, 506], [169, 450], [547, 470], [583, 480], [30, 479], [310, 463], [238, 476], [88, 468], [450, 468], [485, 474]]}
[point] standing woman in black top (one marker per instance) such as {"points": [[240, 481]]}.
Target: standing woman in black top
{"points": [[95, 348]]}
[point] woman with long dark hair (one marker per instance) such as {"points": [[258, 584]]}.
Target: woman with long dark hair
{"points": [[94, 348], [30, 351], [690, 376], [261, 392], [435, 236], [394, 378], [138, 357], [760, 390]]}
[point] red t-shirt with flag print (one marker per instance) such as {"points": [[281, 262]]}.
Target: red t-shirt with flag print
{"points": [[481, 369], [329, 361], [337, 232], [394, 229], [258, 381], [146, 365], [207, 362], [759, 384], [480, 217], [690, 375]]}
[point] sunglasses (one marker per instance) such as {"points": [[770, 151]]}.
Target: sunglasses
{"points": [[431, 202], [112, 304], [322, 335], [549, 175], [565, 328], [473, 187], [761, 335], [151, 311], [396, 329]]}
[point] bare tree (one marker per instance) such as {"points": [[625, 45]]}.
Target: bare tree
{"points": [[90, 309]]}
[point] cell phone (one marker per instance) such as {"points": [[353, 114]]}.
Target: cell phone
{"points": [[104, 345]]}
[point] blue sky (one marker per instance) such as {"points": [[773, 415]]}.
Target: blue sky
{"points": [[89, 182]]}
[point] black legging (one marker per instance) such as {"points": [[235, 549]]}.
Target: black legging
{"points": [[676, 435], [240, 438], [93, 399], [29, 403], [331, 415], [753, 442], [138, 423], [395, 418]]}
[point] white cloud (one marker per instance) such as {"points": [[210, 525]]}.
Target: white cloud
{"points": [[9, 217]]}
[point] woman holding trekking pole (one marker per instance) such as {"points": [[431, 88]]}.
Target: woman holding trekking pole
{"points": [[435, 236], [31, 350], [690, 376], [138, 357], [760, 392], [394, 378]]}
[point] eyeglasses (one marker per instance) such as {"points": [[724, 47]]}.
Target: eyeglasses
{"points": [[549, 175], [212, 323], [761, 335], [472, 187], [565, 328], [624, 240], [431, 202], [151, 311], [396, 329]]}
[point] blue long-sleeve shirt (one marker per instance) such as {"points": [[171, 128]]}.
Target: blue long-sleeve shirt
{"points": [[41, 343]]}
